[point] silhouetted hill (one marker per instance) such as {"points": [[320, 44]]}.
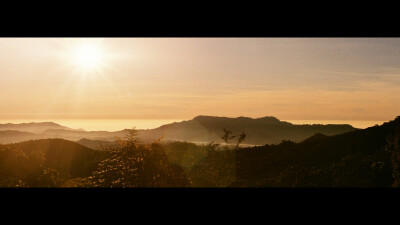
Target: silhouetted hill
{"points": [[205, 129], [67, 157], [12, 136], [32, 127], [354, 159], [76, 135], [359, 158], [315, 137], [265, 130], [96, 144]]}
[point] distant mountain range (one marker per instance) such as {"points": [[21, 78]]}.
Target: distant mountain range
{"points": [[13, 136], [359, 158], [265, 130], [96, 144], [32, 127], [201, 129]]}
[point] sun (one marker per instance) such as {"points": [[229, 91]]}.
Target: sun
{"points": [[88, 57]]}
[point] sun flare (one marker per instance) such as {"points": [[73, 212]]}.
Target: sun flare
{"points": [[88, 57]]}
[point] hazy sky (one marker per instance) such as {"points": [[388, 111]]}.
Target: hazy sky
{"points": [[180, 78]]}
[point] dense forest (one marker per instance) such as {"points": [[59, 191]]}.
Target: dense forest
{"points": [[360, 158]]}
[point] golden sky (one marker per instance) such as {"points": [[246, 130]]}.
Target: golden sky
{"points": [[180, 78]]}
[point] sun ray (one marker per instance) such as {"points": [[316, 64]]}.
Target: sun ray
{"points": [[87, 61]]}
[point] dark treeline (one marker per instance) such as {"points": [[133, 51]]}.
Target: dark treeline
{"points": [[61, 163], [361, 158]]}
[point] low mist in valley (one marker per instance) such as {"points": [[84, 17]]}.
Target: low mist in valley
{"points": [[203, 152], [199, 112]]}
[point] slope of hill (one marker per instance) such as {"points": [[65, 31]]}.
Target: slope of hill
{"points": [[354, 159], [62, 163], [75, 135], [205, 129], [12, 136], [266, 130], [7, 137], [315, 137], [32, 127], [96, 144], [360, 158], [67, 157]]}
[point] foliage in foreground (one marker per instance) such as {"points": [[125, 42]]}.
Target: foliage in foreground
{"points": [[218, 169], [61, 163], [363, 158], [133, 164], [18, 169]]}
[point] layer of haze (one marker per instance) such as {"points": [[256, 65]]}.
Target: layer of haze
{"points": [[169, 78]]}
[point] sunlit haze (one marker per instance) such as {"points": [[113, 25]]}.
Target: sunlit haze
{"points": [[199, 112], [179, 78], [88, 57]]}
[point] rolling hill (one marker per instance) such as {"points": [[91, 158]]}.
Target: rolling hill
{"points": [[32, 127], [266, 130], [96, 144], [67, 157], [13, 136], [362, 158], [201, 129]]}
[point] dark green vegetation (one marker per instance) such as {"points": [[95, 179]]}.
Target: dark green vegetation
{"points": [[360, 158], [46, 163], [62, 163], [133, 164]]}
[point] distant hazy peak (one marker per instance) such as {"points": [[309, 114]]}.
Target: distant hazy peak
{"points": [[316, 137], [33, 127], [14, 132], [240, 117], [269, 118], [83, 139], [31, 123], [266, 119], [206, 117]]}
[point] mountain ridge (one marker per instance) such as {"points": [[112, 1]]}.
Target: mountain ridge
{"points": [[203, 129], [362, 158], [259, 131], [33, 127]]}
